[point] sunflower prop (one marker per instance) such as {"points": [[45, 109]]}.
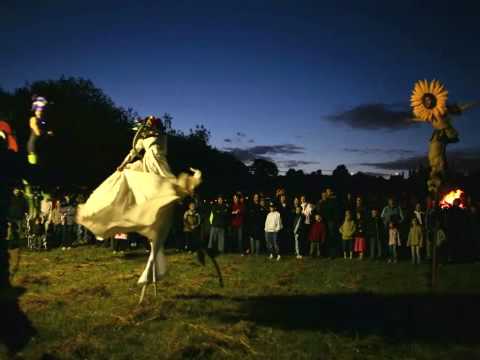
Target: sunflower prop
{"points": [[429, 100]]}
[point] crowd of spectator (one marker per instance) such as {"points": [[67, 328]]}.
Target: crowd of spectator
{"points": [[348, 227], [39, 221]]}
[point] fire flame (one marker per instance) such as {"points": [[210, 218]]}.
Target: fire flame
{"points": [[448, 199]]}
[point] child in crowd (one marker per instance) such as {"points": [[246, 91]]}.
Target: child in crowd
{"points": [[38, 232], [415, 240], [347, 230], [317, 235], [273, 224], [298, 231], [191, 227], [360, 243], [393, 242]]}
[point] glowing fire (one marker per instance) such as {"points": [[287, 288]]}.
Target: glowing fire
{"points": [[449, 198]]}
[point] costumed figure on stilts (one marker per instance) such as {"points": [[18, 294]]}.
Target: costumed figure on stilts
{"points": [[38, 133], [429, 104], [38, 128], [140, 197]]}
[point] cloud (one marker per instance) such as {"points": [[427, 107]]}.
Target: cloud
{"points": [[368, 151], [460, 159], [240, 134], [374, 117], [399, 164], [251, 141], [374, 173], [264, 151], [227, 140], [291, 164]]}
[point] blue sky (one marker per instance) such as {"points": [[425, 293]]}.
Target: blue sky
{"points": [[306, 84]]}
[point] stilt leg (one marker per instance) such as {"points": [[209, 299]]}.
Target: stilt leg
{"points": [[154, 272], [142, 294], [154, 281]]}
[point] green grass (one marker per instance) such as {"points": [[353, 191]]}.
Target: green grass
{"points": [[83, 304]]}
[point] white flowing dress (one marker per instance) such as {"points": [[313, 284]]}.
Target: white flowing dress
{"points": [[141, 199]]}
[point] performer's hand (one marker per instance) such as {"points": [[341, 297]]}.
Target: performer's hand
{"points": [[50, 133], [197, 174], [120, 168]]}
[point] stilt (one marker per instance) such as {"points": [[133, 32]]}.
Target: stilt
{"points": [[154, 273], [142, 294]]}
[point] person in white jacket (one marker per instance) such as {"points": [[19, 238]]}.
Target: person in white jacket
{"points": [[273, 224]]}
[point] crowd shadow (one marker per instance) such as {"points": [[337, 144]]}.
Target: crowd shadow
{"points": [[398, 318]]}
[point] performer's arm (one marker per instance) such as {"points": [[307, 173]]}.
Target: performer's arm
{"points": [[458, 109], [137, 145], [469, 105], [128, 159]]}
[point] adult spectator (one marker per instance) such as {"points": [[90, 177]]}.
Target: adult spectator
{"points": [[273, 224], [286, 216], [392, 213], [191, 227], [432, 222], [218, 220], [56, 219], [331, 215], [237, 222], [256, 215], [375, 231]]}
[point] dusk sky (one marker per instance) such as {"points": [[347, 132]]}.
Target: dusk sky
{"points": [[304, 83]]}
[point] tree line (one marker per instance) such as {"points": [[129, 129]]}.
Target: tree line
{"points": [[92, 134]]}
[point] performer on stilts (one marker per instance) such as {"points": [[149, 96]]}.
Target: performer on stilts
{"points": [[38, 132], [429, 104], [38, 128], [140, 197]]}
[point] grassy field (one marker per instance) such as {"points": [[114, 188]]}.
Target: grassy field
{"points": [[83, 305]]}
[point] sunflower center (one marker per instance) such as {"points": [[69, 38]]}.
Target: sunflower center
{"points": [[429, 101]]}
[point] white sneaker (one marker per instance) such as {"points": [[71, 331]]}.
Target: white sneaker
{"points": [[299, 257], [271, 256], [278, 257]]}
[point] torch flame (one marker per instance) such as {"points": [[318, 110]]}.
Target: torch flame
{"points": [[448, 199]]}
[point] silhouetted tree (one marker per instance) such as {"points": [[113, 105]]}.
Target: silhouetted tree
{"points": [[200, 134], [291, 173], [341, 171], [262, 168]]}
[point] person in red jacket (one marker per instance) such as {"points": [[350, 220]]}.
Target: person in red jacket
{"points": [[317, 235], [238, 214]]}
